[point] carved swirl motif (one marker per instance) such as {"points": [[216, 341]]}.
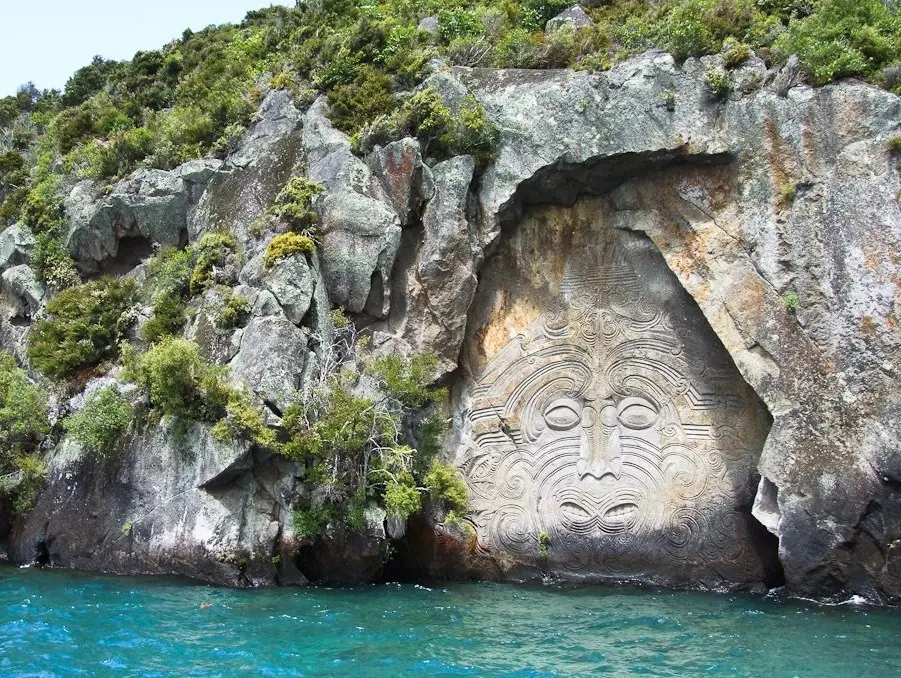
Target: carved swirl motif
{"points": [[604, 433]]}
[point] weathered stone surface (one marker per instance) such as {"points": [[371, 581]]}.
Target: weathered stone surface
{"points": [[406, 180], [271, 359], [747, 201], [151, 204], [645, 262], [289, 280], [441, 281], [429, 24], [15, 244], [360, 230], [253, 174], [572, 17], [21, 282], [611, 435], [173, 504]]}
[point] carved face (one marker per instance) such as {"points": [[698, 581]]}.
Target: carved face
{"points": [[599, 427]]}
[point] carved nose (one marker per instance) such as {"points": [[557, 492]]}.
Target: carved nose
{"points": [[604, 455]]}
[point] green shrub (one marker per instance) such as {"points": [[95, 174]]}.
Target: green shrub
{"points": [[518, 49], [893, 145], [791, 301], [717, 81], [408, 380], [369, 95], [103, 422], [180, 383], [235, 312], [81, 328], [459, 23], [23, 425], [213, 249], [244, 421], [735, 53], [294, 203], [842, 38], [476, 134], [167, 318], [401, 498], [312, 523], [52, 262], [284, 245], [23, 413], [446, 485]]}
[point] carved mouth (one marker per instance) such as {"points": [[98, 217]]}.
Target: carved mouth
{"points": [[620, 513]]}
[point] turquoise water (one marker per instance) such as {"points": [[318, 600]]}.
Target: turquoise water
{"points": [[63, 624]]}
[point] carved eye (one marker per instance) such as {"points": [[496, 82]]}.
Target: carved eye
{"points": [[575, 513], [637, 413], [563, 414]]}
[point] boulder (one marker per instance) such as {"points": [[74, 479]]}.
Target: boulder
{"points": [[174, 503], [289, 280], [252, 176], [406, 180], [271, 360], [360, 229], [15, 244], [22, 283], [572, 17], [153, 205]]}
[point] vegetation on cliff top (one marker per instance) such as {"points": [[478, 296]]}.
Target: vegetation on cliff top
{"points": [[195, 96]]}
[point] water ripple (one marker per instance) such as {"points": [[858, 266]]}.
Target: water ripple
{"points": [[63, 624]]}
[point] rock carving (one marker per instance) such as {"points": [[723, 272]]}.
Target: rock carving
{"points": [[608, 427]]}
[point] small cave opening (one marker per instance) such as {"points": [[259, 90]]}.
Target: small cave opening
{"points": [[410, 556], [41, 554], [132, 251]]}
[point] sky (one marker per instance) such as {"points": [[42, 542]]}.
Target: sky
{"points": [[45, 41]]}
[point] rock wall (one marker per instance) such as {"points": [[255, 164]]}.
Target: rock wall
{"points": [[669, 323]]}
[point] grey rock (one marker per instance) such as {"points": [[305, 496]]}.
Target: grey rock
{"points": [[360, 237], [767, 193], [21, 282], [174, 504], [360, 230], [271, 360], [15, 244], [289, 280], [572, 17], [406, 180], [248, 182], [429, 24], [154, 205], [442, 280]]}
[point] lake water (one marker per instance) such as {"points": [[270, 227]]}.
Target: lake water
{"points": [[64, 624]]}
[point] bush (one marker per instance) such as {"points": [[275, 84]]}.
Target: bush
{"points": [[408, 380], [81, 328], [23, 413], [844, 38], [446, 485], [735, 53], [103, 421], [167, 318], [213, 249], [294, 203], [23, 425], [284, 245], [180, 383], [717, 81], [235, 312], [369, 95]]}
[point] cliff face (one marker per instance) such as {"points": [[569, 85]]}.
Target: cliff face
{"points": [[669, 324]]}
